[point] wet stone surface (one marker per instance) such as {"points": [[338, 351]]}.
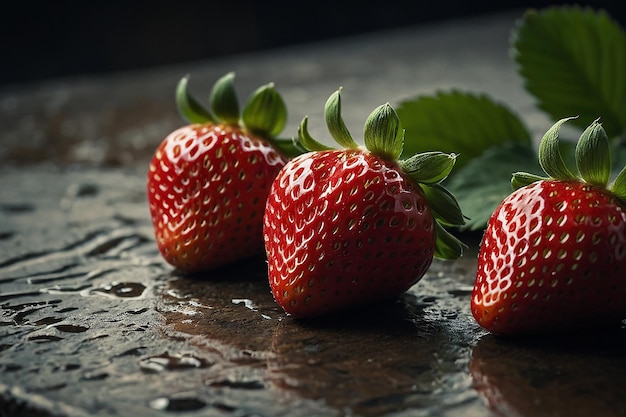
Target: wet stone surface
{"points": [[94, 323]]}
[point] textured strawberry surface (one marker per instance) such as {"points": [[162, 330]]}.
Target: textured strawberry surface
{"points": [[343, 228], [207, 186], [553, 254]]}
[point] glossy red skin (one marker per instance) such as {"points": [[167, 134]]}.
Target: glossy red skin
{"points": [[207, 187], [343, 228], [553, 257]]}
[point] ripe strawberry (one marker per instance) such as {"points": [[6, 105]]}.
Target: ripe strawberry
{"points": [[208, 181], [351, 226], [553, 255]]}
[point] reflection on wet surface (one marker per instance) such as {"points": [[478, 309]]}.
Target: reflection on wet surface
{"points": [[583, 374], [409, 354], [93, 322]]}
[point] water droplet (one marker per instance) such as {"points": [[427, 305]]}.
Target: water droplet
{"points": [[45, 338], [16, 208], [48, 320], [120, 290], [70, 328], [10, 367], [180, 402], [167, 362], [246, 302], [238, 383], [95, 375], [138, 351]]}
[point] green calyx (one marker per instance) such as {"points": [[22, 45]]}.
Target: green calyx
{"points": [[264, 114], [592, 156], [384, 136]]}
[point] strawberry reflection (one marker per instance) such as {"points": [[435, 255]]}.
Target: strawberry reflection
{"points": [[394, 356], [571, 376], [380, 359]]}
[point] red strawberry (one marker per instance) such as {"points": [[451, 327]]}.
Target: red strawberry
{"points": [[352, 226], [208, 181], [553, 256]]}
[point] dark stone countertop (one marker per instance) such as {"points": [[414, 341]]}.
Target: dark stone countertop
{"points": [[94, 323]]}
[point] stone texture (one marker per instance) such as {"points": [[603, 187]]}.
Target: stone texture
{"points": [[94, 323]]}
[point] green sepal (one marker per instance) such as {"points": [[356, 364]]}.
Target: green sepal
{"points": [[383, 133], [522, 179], [265, 113], [223, 100], [550, 157], [447, 246], [288, 147], [429, 167], [619, 185], [443, 204], [306, 140], [593, 155], [335, 123], [189, 108]]}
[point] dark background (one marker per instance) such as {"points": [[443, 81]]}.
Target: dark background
{"points": [[42, 40]]}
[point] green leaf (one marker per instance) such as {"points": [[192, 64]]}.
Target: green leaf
{"points": [[429, 167], [457, 122], [550, 157], [335, 123], [223, 99], [190, 109], [383, 133], [573, 60], [485, 181], [593, 155]]}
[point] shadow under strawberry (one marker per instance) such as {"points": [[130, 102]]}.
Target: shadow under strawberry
{"points": [[574, 375]]}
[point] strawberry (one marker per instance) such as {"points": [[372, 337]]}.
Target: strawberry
{"points": [[344, 227], [553, 255], [208, 181]]}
